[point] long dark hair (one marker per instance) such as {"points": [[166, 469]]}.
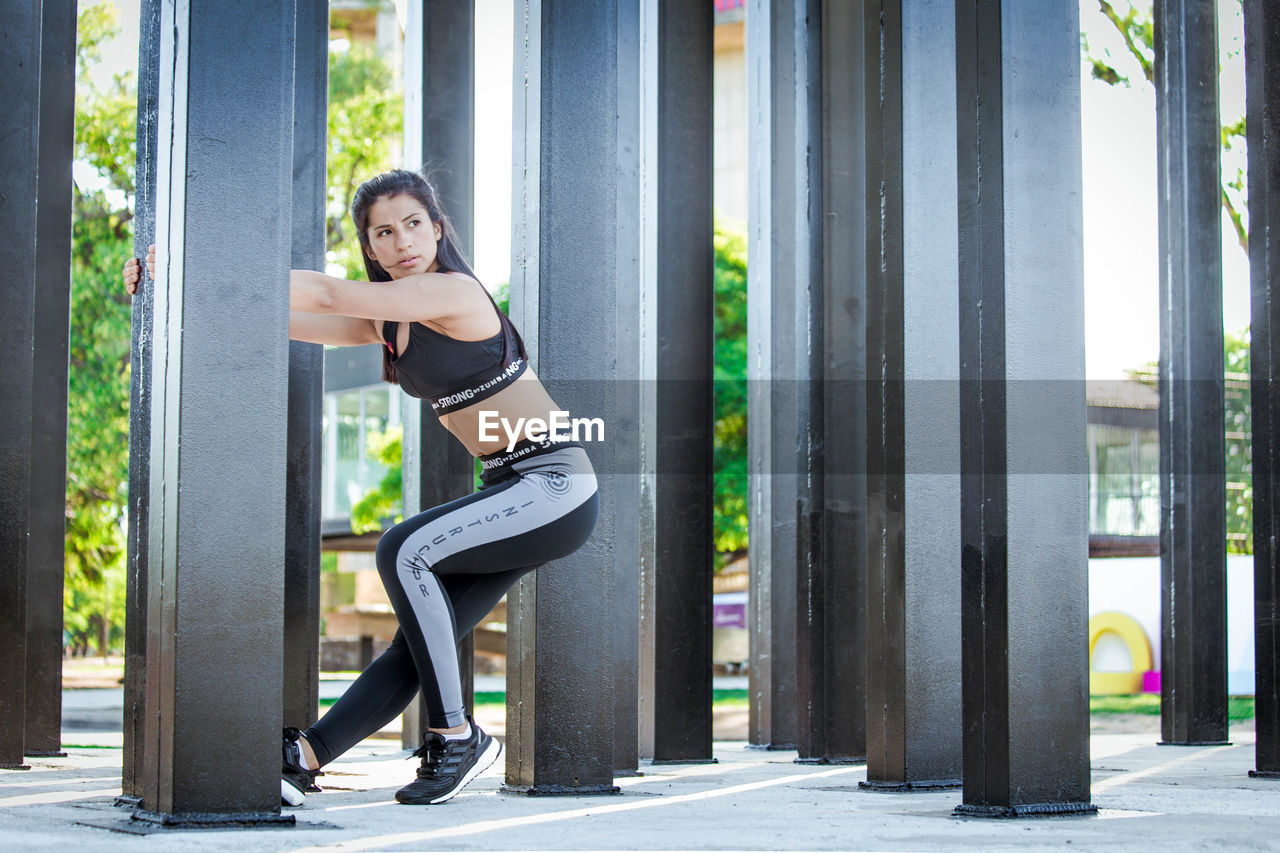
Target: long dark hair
{"points": [[404, 182]]}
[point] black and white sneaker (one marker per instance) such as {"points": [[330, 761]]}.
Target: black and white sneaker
{"points": [[295, 778], [447, 765]]}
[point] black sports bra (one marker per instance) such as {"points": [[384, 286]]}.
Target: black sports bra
{"points": [[453, 374]]}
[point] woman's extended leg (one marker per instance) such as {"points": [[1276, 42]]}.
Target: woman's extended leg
{"points": [[545, 511], [515, 525], [389, 683]]}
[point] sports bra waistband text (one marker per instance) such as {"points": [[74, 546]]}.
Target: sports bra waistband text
{"points": [[459, 399]]}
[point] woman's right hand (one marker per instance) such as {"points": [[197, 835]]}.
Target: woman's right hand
{"points": [[132, 273]]}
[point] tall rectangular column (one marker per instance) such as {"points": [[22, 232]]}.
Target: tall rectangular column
{"points": [[802, 399], [805, 419], [838, 369], [19, 141], [47, 557], [569, 202], [633, 436], [216, 591], [439, 129], [778, 235], [306, 372], [140, 380], [1024, 599], [1262, 92], [677, 619], [913, 426], [1193, 532]]}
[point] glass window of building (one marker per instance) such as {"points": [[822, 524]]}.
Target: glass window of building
{"points": [[1124, 487], [351, 416]]}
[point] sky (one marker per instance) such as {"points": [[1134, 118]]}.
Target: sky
{"points": [[1119, 167]]}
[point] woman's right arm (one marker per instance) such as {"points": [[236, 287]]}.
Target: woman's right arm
{"points": [[331, 329]]}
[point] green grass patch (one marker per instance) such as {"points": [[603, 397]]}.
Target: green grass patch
{"points": [[1137, 703], [491, 697], [1238, 707], [727, 698]]}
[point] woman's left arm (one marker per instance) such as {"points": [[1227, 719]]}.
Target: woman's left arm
{"points": [[425, 296]]}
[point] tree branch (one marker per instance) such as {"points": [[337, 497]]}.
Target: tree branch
{"points": [[1123, 26], [1242, 236]]}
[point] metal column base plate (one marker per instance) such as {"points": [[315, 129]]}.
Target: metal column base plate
{"points": [[1029, 810], [660, 761], [44, 753], [15, 766], [560, 790], [830, 761], [125, 801], [200, 820], [926, 785], [1265, 774]]}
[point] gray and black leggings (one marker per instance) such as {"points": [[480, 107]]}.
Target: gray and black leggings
{"points": [[443, 570]]}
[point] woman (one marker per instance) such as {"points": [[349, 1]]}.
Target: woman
{"points": [[444, 341]]}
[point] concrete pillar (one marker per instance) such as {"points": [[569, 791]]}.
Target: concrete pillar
{"points": [[1024, 601], [805, 337], [439, 125], [913, 407], [216, 557], [47, 557], [777, 234], [801, 406], [19, 142], [569, 203], [677, 619], [634, 433], [1193, 551], [1262, 91], [837, 446], [140, 381], [306, 372]]}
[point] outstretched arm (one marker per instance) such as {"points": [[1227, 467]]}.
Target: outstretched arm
{"points": [[332, 329], [425, 296], [312, 328]]}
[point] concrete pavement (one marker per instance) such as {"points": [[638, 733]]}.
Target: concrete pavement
{"points": [[1150, 797]]}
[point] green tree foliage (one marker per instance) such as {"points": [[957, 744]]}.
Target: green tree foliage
{"points": [[106, 116], [1136, 25], [366, 119], [1239, 446], [384, 499], [98, 382], [730, 520]]}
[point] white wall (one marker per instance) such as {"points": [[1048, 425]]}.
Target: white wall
{"points": [[1132, 585]]}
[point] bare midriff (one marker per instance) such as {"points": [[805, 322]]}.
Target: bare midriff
{"points": [[523, 398]]}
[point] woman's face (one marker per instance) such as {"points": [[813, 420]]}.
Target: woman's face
{"points": [[402, 238]]}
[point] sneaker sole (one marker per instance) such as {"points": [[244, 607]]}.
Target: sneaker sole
{"points": [[291, 796], [482, 764]]}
